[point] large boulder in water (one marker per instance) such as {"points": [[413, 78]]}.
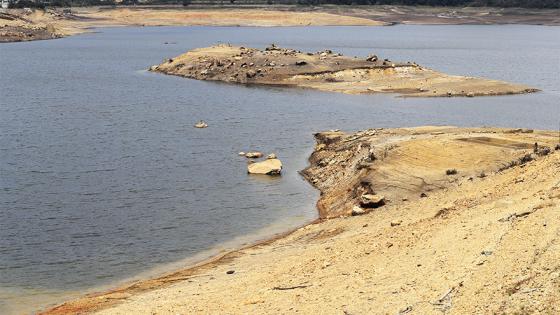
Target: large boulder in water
{"points": [[266, 167]]}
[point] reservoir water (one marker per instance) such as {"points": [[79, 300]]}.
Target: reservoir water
{"points": [[104, 179]]}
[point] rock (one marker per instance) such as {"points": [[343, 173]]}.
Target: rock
{"points": [[251, 74], [301, 63], [253, 155], [272, 47], [201, 124], [396, 222], [357, 210], [322, 146], [470, 94], [328, 137], [372, 58], [230, 272], [271, 156], [241, 153], [266, 167], [372, 201]]}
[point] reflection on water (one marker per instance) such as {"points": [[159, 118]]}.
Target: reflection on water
{"points": [[103, 177]]}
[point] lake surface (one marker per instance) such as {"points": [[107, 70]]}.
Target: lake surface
{"points": [[103, 178]]}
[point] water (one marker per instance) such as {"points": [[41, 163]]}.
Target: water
{"points": [[103, 177]]}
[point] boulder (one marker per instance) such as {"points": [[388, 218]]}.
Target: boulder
{"points": [[266, 167], [253, 155], [372, 201]]}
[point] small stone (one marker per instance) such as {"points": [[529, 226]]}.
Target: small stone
{"points": [[372, 58], [230, 272], [251, 74], [201, 124], [396, 222], [357, 210], [271, 156], [253, 155], [301, 63], [241, 153]]}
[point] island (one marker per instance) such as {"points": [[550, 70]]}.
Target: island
{"points": [[327, 71]]}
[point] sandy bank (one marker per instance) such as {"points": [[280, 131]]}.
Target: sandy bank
{"points": [[25, 25], [22, 25], [327, 71], [484, 240]]}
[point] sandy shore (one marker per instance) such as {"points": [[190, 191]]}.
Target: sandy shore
{"points": [[481, 240], [327, 71], [25, 25]]}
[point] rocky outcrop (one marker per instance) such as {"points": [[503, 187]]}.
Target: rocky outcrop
{"points": [[362, 172]]}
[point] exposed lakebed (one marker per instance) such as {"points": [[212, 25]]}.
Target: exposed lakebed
{"points": [[103, 177]]}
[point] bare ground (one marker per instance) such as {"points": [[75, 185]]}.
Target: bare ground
{"points": [[24, 25], [21, 25], [484, 240]]}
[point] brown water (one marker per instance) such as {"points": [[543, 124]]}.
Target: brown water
{"points": [[103, 177]]}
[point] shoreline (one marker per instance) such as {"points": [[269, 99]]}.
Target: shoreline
{"points": [[102, 299], [27, 25], [334, 223]]}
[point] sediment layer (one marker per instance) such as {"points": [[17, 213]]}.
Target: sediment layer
{"points": [[327, 71]]}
